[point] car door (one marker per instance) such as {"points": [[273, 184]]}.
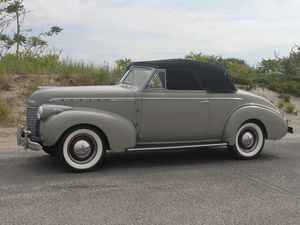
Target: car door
{"points": [[174, 108]]}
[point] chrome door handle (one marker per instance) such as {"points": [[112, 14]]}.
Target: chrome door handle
{"points": [[204, 102]]}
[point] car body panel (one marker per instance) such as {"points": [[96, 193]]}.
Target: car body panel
{"points": [[174, 116], [55, 94], [120, 132], [115, 98], [222, 106]]}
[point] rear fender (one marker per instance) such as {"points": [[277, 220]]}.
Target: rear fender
{"points": [[275, 125]]}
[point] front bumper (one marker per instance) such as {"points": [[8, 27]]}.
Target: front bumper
{"points": [[24, 140], [289, 129]]}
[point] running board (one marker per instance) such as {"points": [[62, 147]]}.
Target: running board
{"points": [[176, 147]]}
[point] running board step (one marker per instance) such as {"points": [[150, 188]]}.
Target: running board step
{"points": [[176, 147]]}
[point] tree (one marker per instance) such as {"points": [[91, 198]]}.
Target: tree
{"points": [[38, 44], [5, 18], [122, 64], [286, 66], [17, 9], [216, 60], [13, 13]]}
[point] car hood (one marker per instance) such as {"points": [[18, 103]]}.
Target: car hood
{"points": [[45, 94]]}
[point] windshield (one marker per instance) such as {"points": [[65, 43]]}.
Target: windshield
{"points": [[137, 76]]}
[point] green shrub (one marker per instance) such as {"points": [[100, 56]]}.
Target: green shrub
{"points": [[284, 97], [269, 74], [289, 108]]}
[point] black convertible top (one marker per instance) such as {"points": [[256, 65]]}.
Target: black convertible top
{"points": [[213, 78]]}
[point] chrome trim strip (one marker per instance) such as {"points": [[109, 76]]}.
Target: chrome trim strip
{"points": [[176, 147], [171, 98], [196, 98], [225, 98], [179, 142], [204, 102], [265, 107], [80, 100]]}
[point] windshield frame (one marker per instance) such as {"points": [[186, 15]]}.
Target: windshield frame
{"points": [[128, 71]]}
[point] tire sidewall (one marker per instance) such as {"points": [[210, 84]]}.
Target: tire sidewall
{"points": [[64, 154]]}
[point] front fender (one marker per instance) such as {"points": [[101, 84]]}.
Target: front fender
{"points": [[120, 132], [275, 124]]}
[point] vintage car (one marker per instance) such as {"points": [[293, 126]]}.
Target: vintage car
{"points": [[165, 104]]}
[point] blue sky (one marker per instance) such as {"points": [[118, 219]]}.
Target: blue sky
{"points": [[103, 30]]}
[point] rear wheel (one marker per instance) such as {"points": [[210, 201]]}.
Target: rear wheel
{"points": [[249, 141], [81, 149]]}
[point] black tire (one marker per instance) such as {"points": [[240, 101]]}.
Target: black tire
{"points": [[50, 150], [81, 148], [249, 141]]}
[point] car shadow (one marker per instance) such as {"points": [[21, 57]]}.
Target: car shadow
{"points": [[147, 159], [168, 158], [43, 164]]}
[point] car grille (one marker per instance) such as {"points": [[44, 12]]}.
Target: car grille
{"points": [[33, 123]]}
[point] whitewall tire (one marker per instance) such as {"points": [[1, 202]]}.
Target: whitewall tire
{"points": [[249, 141], [82, 149]]}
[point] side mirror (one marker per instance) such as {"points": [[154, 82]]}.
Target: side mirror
{"points": [[151, 84]]}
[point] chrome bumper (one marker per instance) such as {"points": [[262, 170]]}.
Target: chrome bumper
{"points": [[289, 129], [24, 140]]}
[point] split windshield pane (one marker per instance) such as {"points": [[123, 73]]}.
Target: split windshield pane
{"points": [[138, 76]]}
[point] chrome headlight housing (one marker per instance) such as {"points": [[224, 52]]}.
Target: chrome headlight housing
{"points": [[45, 111], [40, 113]]}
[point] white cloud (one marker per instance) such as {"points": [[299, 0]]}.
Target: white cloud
{"points": [[106, 30]]}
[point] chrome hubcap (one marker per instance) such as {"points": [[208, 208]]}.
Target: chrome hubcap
{"points": [[248, 139], [82, 149]]}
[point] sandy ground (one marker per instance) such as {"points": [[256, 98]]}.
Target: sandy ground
{"points": [[294, 120], [7, 138], [8, 135]]}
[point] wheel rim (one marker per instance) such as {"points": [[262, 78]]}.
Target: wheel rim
{"points": [[82, 148], [248, 139]]}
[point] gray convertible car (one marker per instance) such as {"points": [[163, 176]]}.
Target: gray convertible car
{"points": [[165, 104]]}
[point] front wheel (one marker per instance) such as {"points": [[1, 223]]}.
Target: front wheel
{"points": [[249, 141], [81, 149]]}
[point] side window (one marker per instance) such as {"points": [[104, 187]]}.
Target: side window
{"points": [[182, 79], [158, 81]]}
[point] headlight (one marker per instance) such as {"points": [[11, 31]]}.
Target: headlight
{"points": [[45, 111], [39, 112]]}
